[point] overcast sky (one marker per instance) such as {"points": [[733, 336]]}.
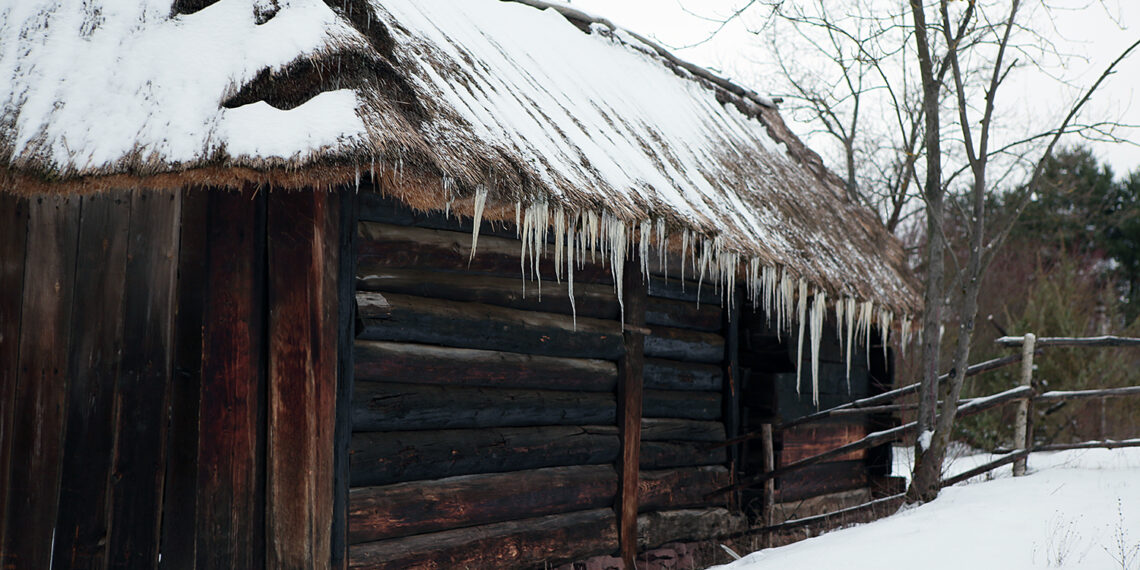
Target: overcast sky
{"points": [[1095, 30]]}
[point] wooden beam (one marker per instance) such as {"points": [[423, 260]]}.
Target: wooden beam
{"points": [[345, 374], [685, 405], [13, 246], [681, 488], [630, 387], [303, 247], [1097, 341]]}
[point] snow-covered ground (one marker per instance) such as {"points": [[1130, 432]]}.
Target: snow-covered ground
{"points": [[1075, 509]]}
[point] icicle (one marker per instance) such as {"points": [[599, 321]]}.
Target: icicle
{"points": [[643, 248], [559, 235], [684, 248], [662, 249], [905, 340], [570, 274], [839, 307], [616, 237], [818, 310], [801, 312], [866, 309], [477, 220], [849, 313], [885, 319], [518, 225]]}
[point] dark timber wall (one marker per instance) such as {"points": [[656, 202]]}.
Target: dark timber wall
{"points": [[167, 373]]}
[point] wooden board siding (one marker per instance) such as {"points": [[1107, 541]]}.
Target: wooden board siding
{"points": [[13, 245]]}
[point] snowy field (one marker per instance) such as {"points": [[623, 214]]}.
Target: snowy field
{"points": [[1075, 509]]}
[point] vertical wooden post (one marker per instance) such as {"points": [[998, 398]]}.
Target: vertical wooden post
{"points": [[342, 435], [13, 244], [768, 453], [630, 380], [1023, 434], [303, 245], [732, 384]]}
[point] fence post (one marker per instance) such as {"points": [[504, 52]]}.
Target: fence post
{"points": [[768, 453], [1023, 434]]}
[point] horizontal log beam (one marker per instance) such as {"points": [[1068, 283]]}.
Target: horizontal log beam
{"points": [[686, 345], [666, 454], [542, 541], [661, 374], [661, 527], [683, 314], [683, 405], [480, 326], [421, 363], [405, 509], [681, 488], [662, 429], [1098, 341], [382, 458], [384, 406]]}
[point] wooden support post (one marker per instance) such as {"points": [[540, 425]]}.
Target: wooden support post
{"points": [[629, 414], [346, 369], [732, 384], [769, 457], [1023, 432]]}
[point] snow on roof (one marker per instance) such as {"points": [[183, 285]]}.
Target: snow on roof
{"points": [[440, 100]]}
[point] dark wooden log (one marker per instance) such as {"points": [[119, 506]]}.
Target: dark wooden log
{"points": [[404, 509], [303, 244], [676, 289], [662, 527], [13, 245], [475, 325], [405, 362], [630, 395], [821, 479], [96, 347], [590, 300], [665, 454], [40, 396], [375, 207], [384, 247], [805, 441], [527, 543], [682, 488], [683, 314], [346, 366], [382, 406], [231, 466], [880, 507], [683, 405], [1098, 341], [391, 457], [179, 532], [675, 375], [686, 345], [658, 429]]}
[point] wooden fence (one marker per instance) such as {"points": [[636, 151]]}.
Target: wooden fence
{"points": [[1025, 395]]}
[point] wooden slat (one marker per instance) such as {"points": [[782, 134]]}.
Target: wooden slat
{"points": [[37, 429], [408, 362], [630, 392], [681, 344], [805, 441], [96, 346], [681, 488], [393, 457], [527, 543], [404, 509], [342, 432], [231, 471], [675, 375], [382, 406], [179, 531], [480, 326], [683, 405], [303, 266], [590, 300], [13, 243]]}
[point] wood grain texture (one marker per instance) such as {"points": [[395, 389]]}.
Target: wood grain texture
{"points": [[668, 429], [41, 391], [665, 454], [404, 509], [342, 432], [686, 345], [96, 349], [663, 374], [683, 405], [660, 527], [13, 245], [407, 362], [681, 488], [230, 513], [630, 394], [683, 314], [527, 543], [303, 247], [807, 440], [392, 457]]}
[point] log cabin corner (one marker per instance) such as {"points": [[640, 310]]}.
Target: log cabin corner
{"points": [[404, 284]]}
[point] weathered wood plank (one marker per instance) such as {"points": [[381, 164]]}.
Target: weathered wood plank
{"points": [[682, 405], [683, 314], [734, 380], [820, 479], [663, 374], [682, 488], [231, 469], [661, 527], [393, 457], [527, 543], [96, 345], [37, 427], [342, 432], [681, 344], [676, 289], [382, 406], [406, 362], [385, 246], [666, 454], [804, 441], [179, 531], [13, 245], [303, 245], [475, 325], [404, 509], [375, 207], [590, 300], [658, 429], [630, 395]]}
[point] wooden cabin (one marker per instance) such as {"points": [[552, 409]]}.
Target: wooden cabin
{"points": [[405, 284]]}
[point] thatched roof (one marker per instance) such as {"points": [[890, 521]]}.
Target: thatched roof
{"points": [[440, 101]]}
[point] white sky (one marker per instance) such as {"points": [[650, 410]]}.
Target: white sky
{"points": [[1095, 32]]}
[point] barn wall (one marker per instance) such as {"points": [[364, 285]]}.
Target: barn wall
{"points": [[168, 361]]}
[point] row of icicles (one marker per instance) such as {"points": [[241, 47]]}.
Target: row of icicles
{"points": [[789, 300]]}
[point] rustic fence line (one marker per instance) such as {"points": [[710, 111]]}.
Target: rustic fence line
{"points": [[1025, 395]]}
